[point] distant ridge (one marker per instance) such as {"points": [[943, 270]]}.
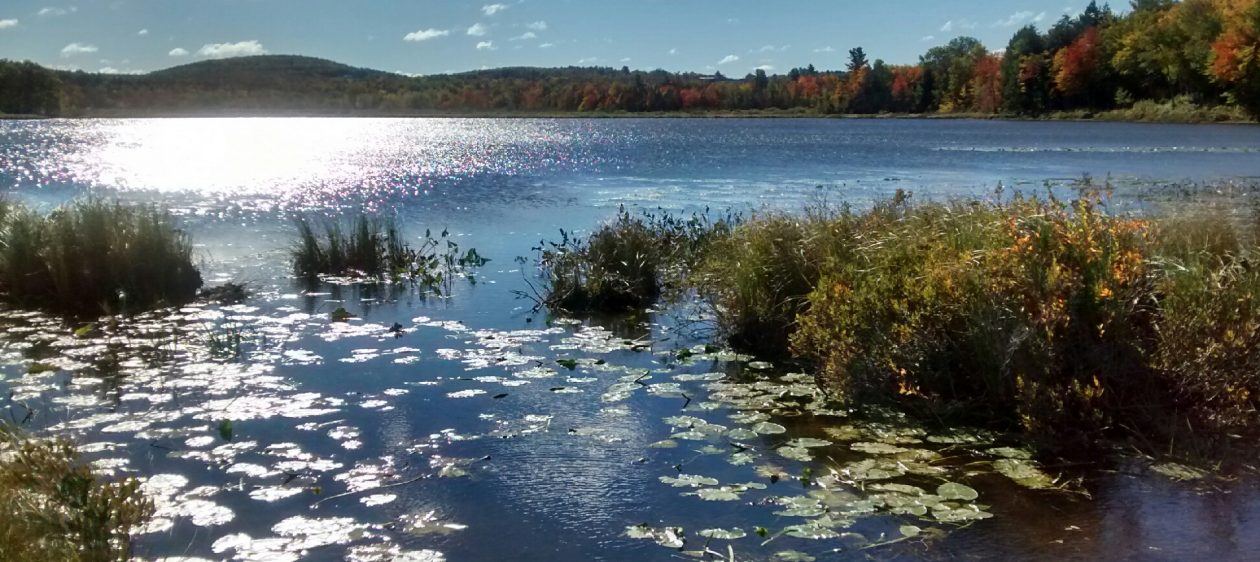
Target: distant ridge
{"points": [[284, 65], [1071, 70]]}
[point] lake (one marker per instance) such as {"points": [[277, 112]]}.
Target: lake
{"points": [[432, 428]]}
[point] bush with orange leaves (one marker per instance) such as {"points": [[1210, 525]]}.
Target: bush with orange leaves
{"points": [[1059, 318]]}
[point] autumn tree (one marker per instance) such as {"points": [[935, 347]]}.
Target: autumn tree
{"points": [[1024, 84], [1236, 57]]}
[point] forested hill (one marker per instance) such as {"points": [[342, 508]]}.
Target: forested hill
{"points": [[1162, 53]]}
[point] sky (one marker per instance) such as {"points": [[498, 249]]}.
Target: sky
{"points": [[443, 36]]}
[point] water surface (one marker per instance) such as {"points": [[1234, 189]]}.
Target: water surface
{"points": [[461, 437]]}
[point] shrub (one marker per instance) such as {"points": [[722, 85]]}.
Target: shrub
{"points": [[92, 257], [53, 508], [1057, 318]]}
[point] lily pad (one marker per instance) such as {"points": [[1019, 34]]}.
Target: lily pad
{"points": [[724, 534], [1024, 473], [669, 537], [689, 481], [769, 428], [956, 491]]}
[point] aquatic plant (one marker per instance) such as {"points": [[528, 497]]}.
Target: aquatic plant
{"points": [[368, 247], [52, 507], [91, 257], [626, 263]]}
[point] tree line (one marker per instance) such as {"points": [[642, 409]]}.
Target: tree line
{"points": [[1203, 51]]}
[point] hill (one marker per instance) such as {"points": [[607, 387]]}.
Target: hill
{"points": [[1165, 60]]}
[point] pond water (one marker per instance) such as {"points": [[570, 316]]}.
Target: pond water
{"points": [[470, 428]]}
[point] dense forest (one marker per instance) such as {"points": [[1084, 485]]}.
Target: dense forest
{"points": [[1201, 52]]}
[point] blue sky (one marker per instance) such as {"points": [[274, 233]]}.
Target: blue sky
{"points": [[431, 36]]}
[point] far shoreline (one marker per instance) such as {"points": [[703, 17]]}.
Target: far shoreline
{"points": [[1102, 117]]}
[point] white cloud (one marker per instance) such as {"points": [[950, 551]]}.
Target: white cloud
{"points": [[927, 38], [1020, 18], [589, 60], [4, 24], [486, 46], [426, 34], [770, 49], [492, 9], [767, 68], [537, 26], [728, 59], [56, 11], [626, 59], [546, 45], [112, 70], [477, 30], [143, 32], [525, 36], [673, 51], [827, 49], [178, 52], [77, 49], [952, 25], [226, 50]]}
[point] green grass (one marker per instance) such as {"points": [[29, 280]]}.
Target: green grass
{"points": [[626, 263], [91, 257], [366, 247], [53, 508]]}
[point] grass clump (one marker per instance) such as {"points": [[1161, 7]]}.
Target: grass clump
{"points": [[374, 248], [626, 263], [53, 508], [92, 258]]}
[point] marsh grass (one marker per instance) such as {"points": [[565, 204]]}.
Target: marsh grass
{"points": [[1180, 109], [92, 257], [627, 263], [52, 507], [1074, 324], [366, 247]]}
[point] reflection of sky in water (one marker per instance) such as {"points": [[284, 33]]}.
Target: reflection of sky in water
{"points": [[468, 165], [556, 469]]}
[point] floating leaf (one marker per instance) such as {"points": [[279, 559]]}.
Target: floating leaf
{"points": [[689, 481], [795, 453], [225, 430], [793, 556], [724, 534], [723, 494], [877, 448], [741, 458], [1024, 473], [910, 531], [808, 442], [956, 491], [669, 537], [769, 428]]}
